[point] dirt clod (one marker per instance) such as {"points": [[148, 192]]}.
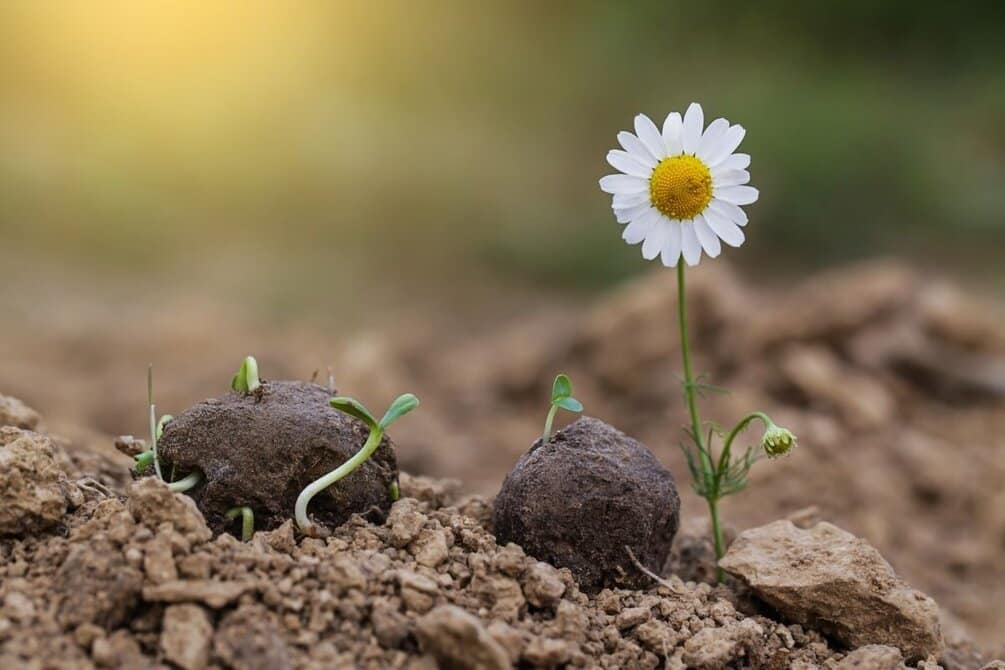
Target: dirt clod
{"points": [[34, 492], [187, 636], [15, 413], [827, 578], [459, 640], [580, 499], [261, 449]]}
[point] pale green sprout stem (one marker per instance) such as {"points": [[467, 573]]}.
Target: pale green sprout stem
{"points": [[561, 397], [401, 406], [247, 520], [153, 420], [186, 483], [246, 379], [715, 479]]}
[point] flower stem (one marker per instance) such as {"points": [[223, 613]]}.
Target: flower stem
{"points": [[320, 484], [692, 406]]}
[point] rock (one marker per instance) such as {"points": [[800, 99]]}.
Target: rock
{"points": [[261, 449], [431, 547], [214, 594], [34, 492], [187, 636], [459, 640], [118, 650], [152, 503], [15, 413], [872, 657], [580, 499], [828, 579], [542, 585]]}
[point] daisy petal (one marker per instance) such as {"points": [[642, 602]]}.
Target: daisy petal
{"points": [[730, 141], [709, 240], [712, 139], [735, 162], [728, 231], [728, 211], [637, 230], [738, 195], [634, 146], [673, 129], [623, 183], [689, 244], [626, 214], [671, 246], [624, 161], [653, 244], [694, 121], [650, 136], [723, 178], [623, 200]]}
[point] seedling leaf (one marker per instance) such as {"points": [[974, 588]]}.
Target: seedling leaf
{"points": [[562, 388], [401, 406], [355, 408], [570, 404], [246, 380]]}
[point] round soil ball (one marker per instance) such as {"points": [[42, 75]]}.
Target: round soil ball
{"points": [[578, 500], [261, 449]]}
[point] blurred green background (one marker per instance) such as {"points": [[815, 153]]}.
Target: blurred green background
{"points": [[297, 150]]}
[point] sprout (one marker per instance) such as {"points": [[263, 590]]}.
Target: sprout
{"points": [[401, 406], [247, 520], [186, 483], [246, 380], [153, 421], [145, 459], [561, 396]]}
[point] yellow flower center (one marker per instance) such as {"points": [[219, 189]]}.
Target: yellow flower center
{"points": [[681, 187]]}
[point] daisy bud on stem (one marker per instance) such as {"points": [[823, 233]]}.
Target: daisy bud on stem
{"points": [[400, 407], [561, 397]]}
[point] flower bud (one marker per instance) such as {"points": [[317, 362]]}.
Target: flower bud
{"points": [[777, 441]]}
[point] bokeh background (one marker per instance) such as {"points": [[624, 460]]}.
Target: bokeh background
{"points": [[334, 183]]}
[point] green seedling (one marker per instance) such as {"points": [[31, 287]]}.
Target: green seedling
{"points": [[561, 397], [401, 406], [146, 458], [246, 380], [247, 521]]}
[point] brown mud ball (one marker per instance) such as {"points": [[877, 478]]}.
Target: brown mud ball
{"points": [[261, 449], [580, 499]]}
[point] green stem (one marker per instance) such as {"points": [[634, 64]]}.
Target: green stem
{"points": [[320, 484], [692, 406], [247, 520], [186, 483], [744, 422], [547, 423]]}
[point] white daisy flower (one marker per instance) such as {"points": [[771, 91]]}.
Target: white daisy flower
{"points": [[681, 189]]}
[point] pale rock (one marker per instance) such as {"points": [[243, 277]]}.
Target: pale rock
{"points": [[187, 636], [542, 585], [458, 639]]}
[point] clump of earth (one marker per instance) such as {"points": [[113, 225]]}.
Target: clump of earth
{"points": [[131, 575], [261, 449], [585, 499]]}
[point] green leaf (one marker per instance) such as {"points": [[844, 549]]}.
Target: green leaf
{"points": [[355, 408], [402, 405], [246, 380], [570, 404], [562, 388]]}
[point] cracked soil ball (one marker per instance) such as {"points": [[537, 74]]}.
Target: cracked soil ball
{"points": [[261, 449], [578, 500]]}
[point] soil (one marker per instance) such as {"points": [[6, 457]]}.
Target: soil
{"points": [[140, 581], [580, 499], [261, 449], [893, 380]]}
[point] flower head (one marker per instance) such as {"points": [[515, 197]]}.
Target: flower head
{"points": [[680, 190], [777, 441]]}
